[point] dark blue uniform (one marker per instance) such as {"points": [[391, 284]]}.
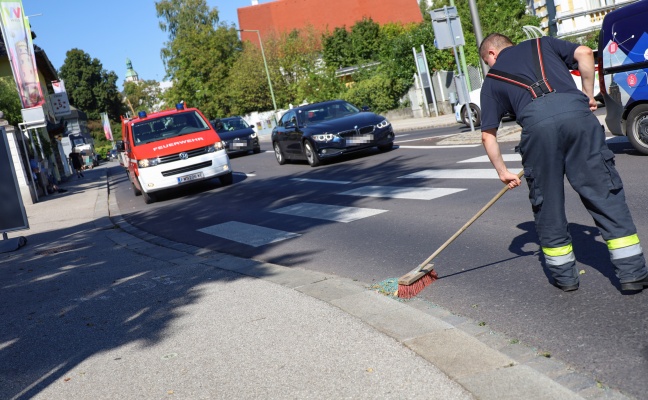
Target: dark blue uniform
{"points": [[561, 136]]}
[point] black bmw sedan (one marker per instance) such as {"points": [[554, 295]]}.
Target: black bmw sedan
{"points": [[237, 135], [319, 131]]}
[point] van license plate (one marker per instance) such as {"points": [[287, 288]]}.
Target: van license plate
{"points": [[191, 177]]}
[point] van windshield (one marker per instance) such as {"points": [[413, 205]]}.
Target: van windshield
{"points": [[168, 126]]}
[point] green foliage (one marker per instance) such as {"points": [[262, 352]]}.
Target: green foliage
{"points": [[199, 55], [336, 50], [10, 100], [377, 91], [90, 88], [143, 95]]}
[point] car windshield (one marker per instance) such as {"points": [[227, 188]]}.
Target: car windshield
{"points": [[231, 124], [316, 113], [179, 124]]}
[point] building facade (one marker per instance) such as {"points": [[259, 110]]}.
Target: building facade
{"points": [[283, 16], [572, 18]]}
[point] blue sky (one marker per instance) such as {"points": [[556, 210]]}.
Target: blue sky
{"points": [[110, 31]]}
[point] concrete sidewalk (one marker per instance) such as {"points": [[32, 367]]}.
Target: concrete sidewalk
{"points": [[94, 308]]}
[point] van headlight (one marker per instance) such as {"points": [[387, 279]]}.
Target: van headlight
{"points": [[216, 147], [382, 124], [148, 162]]}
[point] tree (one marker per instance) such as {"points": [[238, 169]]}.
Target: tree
{"points": [[245, 89], [10, 100], [336, 48], [143, 95], [90, 88], [199, 55]]}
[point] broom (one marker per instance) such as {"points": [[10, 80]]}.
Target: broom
{"points": [[412, 283]]}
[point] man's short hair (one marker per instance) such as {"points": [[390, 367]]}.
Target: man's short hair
{"points": [[496, 40]]}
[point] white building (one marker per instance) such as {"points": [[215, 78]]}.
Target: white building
{"points": [[569, 18]]}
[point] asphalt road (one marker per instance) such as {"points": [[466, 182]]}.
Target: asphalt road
{"points": [[329, 219]]}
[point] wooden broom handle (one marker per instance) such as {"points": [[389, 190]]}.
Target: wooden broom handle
{"points": [[467, 224]]}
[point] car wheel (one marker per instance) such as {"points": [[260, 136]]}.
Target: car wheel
{"points": [[476, 115], [637, 128], [149, 198], [226, 179], [386, 147], [256, 150], [278, 154], [311, 156]]}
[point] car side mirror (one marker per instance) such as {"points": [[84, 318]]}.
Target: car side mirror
{"points": [[119, 145], [366, 108]]}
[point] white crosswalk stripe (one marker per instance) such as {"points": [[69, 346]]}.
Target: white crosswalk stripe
{"points": [[398, 192], [329, 212], [484, 159], [321, 181], [489, 173], [251, 235]]}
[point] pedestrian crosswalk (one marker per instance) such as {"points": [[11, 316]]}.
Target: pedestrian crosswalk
{"points": [[257, 235]]}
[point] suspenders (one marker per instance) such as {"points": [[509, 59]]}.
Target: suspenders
{"points": [[536, 89]]}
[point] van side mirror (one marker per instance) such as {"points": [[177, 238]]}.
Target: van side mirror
{"points": [[119, 145]]}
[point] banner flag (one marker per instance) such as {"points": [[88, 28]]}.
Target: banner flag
{"points": [[106, 126], [18, 41], [58, 86]]}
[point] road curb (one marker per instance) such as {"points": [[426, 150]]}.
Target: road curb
{"points": [[486, 363]]}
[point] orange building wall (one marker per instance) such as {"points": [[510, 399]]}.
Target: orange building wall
{"points": [[285, 15]]}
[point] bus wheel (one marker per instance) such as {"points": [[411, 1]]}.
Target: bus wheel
{"points": [[637, 128]]}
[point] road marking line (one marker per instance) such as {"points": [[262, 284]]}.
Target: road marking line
{"points": [[457, 174], [427, 138], [251, 235], [321, 181], [506, 157], [398, 192], [329, 212], [452, 146]]}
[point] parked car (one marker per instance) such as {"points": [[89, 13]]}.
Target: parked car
{"points": [[321, 131], [237, 135]]}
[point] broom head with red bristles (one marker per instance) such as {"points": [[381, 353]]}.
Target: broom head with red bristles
{"points": [[412, 283]]}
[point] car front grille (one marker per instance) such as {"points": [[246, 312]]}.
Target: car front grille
{"points": [[188, 168], [176, 156], [360, 131]]}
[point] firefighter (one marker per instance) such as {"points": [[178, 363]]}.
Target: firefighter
{"points": [[560, 136]]}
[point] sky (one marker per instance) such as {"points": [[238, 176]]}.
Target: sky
{"points": [[110, 31]]}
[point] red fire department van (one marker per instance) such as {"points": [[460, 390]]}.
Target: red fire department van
{"points": [[170, 148]]}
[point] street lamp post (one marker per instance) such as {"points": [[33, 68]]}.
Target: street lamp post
{"points": [[274, 103]]}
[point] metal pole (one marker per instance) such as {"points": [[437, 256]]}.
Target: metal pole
{"points": [[474, 14], [461, 76], [436, 110], [418, 70], [462, 56]]}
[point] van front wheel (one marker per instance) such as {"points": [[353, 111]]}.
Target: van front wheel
{"points": [[637, 128]]}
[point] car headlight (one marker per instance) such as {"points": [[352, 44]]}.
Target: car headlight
{"points": [[148, 162], [252, 136], [216, 147], [324, 137], [382, 124]]}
